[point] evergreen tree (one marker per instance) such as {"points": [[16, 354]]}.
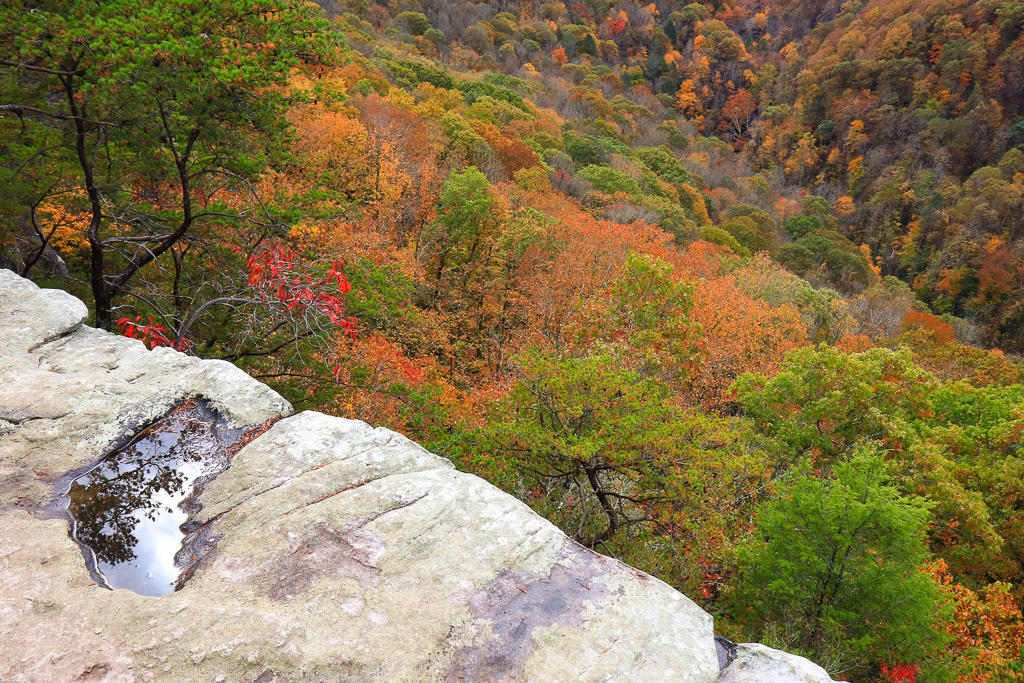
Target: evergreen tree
{"points": [[588, 45], [670, 30]]}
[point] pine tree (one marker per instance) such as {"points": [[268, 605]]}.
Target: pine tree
{"points": [[588, 45]]}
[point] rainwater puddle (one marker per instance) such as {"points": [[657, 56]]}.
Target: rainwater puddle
{"points": [[127, 512]]}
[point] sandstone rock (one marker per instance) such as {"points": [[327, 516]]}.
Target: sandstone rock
{"points": [[71, 393], [32, 316], [756, 663], [333, 551]]}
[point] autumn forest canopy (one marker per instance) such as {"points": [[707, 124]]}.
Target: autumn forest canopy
{"points": [[731, 291]]}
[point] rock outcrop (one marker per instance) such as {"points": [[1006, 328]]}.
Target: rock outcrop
{"points": [[327, 550], [756, 663]]}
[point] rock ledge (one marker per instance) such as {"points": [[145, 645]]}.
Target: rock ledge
{"points": [[335, 551]]}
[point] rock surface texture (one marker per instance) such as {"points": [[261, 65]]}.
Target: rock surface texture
{"points": [[756, 663], [330, 551]]}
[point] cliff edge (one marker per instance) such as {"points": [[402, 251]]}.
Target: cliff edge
{"points": [[325, 550]]}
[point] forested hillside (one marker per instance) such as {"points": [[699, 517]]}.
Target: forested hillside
{"points": [[730, 291]]}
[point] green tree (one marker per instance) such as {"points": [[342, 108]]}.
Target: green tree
{"points": [[464, 219], [797, 258], [846, 265], [670, 31], [435, 36], [716, 235], [663, 162], [1016, 136], [593, 427], [798, 226], [609, 180], [950, 443], [645, 313], [836, 573], [745, 231], [585, 150], [824, 402], [596, 443], [418, 24], [158, 115], [588, 45]]}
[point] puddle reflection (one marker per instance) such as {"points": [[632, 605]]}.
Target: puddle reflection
{"points": [[128, 509]]}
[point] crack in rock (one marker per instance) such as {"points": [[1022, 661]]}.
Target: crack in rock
{"points": [[55, 337]]}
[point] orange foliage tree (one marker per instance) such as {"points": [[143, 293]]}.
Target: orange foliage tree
{"points": [[987, 628]]}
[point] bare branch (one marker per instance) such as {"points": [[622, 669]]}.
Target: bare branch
{"points": [[41, 69], [22, 109]]}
